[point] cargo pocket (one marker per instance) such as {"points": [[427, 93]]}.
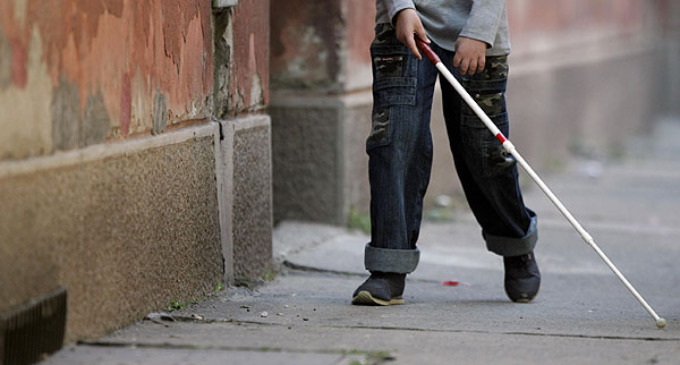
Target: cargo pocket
{"points": [[484, 153], [394, 86]]}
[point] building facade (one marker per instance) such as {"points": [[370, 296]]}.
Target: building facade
{"points": [[147, 147], [584, 76], [135, 163]]}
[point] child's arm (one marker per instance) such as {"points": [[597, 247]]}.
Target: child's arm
{"points": [[478, 34], [470, 55], [407, 23], [484, 20]]}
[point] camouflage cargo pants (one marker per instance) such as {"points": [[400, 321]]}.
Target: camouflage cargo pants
{"points": [[400, 155]]}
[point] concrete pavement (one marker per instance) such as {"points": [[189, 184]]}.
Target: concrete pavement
{"points": [[583, 314]]}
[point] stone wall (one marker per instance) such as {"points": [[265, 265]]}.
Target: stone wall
{"points": [[126, 228], [135, 162], [321, 102]]}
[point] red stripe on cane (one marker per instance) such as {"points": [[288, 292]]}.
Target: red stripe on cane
{"points": [[501, 137]]}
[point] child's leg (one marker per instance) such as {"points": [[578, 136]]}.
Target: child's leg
{"points": [[488, 174]]}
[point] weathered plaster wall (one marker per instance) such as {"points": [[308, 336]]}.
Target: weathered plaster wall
{"points": [[322, 46], [114, 181], [80, 72], [249, 83], [321, 70], [306, 45]]}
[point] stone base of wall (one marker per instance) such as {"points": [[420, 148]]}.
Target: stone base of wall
{"points": [[246, 164], [130, 227], [319, 156]]}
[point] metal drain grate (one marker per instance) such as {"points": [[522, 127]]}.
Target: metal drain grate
{"points": [[34, 329]]}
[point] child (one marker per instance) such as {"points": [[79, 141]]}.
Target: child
{"points": [[471, 37]]}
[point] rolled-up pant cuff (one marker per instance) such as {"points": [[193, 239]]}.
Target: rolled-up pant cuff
{"points": [[391, 260], [506, 246]]}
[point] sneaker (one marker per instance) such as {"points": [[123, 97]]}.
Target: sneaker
{"points": [[380, 289], [522, 278]]}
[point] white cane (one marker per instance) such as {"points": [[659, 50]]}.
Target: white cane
{"points": [[510, 148]]}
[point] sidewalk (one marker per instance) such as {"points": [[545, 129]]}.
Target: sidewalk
{"points": [[583, 314]]}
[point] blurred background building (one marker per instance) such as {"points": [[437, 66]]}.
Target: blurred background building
{"points": [[584, 76], [148, 147]]}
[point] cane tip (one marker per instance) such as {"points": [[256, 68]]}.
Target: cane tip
{"points": [[660, 323]]}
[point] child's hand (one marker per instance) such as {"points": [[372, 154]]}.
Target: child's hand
{"points": [[470, 56], [407, 23]]}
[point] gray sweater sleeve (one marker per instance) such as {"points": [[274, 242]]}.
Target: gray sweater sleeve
{"points": [[395, 6], [484, 20]]}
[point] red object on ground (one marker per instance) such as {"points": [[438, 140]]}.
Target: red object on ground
{"points": [[450, 283]]}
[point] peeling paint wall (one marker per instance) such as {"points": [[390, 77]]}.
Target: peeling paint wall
{"points": [[249, 61], [80, 72], [307, 44], [241, 59], [168, 209]]}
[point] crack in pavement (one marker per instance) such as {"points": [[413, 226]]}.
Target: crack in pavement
{"points": [[188, 319], [516, 333], [368, 357]]}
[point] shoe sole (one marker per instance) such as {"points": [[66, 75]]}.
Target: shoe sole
{"points": [[524, 300], [365, 298]]}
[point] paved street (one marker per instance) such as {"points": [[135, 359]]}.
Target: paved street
{"points": [[583, 314]]}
